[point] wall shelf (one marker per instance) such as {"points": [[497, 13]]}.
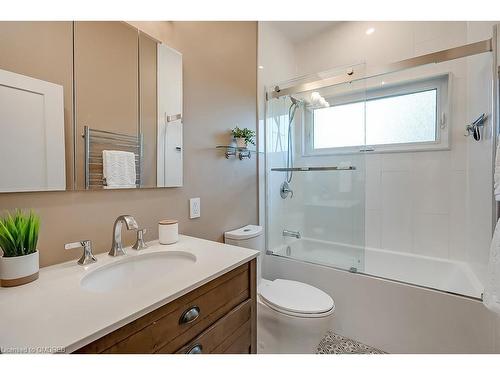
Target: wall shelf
{"points": [[239, 152]]}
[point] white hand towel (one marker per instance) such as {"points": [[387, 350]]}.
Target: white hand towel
{"points": [[118, 168], [491, 295]]}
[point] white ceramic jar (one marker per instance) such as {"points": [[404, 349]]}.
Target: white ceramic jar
{"points": [[168, 231]]}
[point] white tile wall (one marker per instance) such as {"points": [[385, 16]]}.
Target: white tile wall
{"points": [[373, 229], [430, 203], [416, 202], [396, 230], [431, 234], [458, 214]]}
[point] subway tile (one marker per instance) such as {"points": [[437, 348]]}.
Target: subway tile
{"points": [[397, 190], [431, 235], [396, 231], [397, 198], [373, 189], [373, 226], [396, 161], [431, 180], [457, 218]]}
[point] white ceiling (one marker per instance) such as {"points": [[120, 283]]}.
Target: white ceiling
{"points": [[298, 31]]}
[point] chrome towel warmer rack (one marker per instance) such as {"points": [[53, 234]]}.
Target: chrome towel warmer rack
{"points": [[98, 140]]}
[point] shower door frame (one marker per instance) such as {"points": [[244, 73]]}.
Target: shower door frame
{"points": [[490, 45], [483, 46]]}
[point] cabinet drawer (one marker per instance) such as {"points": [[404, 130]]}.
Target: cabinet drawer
{"points": [[232, 329], [188, 319], [163, 326]]}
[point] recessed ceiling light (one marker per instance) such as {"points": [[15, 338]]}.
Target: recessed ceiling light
{"points": [[370, 31], [382, 83], [261, 66]]}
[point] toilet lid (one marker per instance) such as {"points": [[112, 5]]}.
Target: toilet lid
{"points": [[295, 296], [249, 231]]}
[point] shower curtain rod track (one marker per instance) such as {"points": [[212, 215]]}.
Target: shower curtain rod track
{"points": [[353, 75]]}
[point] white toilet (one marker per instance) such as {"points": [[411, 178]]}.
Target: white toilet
{"points": [[292, 317]]}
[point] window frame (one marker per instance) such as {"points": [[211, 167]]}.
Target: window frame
{"points": [[441, 83]]}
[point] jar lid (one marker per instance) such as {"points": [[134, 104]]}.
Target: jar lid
{"points": [[168, 222]]}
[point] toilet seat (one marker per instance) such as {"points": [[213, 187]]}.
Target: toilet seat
{"points": [[295, 298]]}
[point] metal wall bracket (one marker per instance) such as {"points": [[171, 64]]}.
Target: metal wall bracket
{"points": [[474, 129], [240, 153]]}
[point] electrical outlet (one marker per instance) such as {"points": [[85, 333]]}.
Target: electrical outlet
{"points": [[194, 208]]}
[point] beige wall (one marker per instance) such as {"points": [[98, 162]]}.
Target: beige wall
{"points": [[219, 91], [106, 82]]}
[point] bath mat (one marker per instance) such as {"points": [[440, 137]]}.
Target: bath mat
{"points": [[333, 343]]}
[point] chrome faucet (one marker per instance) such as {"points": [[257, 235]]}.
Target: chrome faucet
{"points": [[117, 246], [291, 233]]}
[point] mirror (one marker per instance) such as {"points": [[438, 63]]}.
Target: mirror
{"points": [[89, 105]]}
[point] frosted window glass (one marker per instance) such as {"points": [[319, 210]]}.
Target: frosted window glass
{"points": [[408, 118], [402, 119], [339, 126]]}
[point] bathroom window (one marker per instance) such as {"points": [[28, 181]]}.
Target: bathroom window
{"points": [[403, 117]]}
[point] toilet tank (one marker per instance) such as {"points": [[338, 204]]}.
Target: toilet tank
{"points": [[249, 236]]}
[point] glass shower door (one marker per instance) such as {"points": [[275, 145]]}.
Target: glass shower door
{"points": [[315, 177]]}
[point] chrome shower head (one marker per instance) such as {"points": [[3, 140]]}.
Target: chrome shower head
{"points": [[295, 100]]}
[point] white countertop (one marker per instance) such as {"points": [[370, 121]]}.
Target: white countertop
{"points": [[54, 313]]}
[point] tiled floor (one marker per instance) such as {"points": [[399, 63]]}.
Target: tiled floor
{"points": [[333, 343]]}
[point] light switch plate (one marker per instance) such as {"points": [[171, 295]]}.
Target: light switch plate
{"points": [[194, 208]]}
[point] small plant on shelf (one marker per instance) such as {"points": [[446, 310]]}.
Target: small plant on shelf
{"points": [[19, 263], [243, 136]]}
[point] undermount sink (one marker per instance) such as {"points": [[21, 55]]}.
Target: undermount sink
{"points": [[137, 271]]}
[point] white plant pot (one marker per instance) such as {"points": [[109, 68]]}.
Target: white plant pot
{"points": [[19, 270], [240, 142]]}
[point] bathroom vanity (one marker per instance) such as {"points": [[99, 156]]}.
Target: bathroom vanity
{"points": [[218, 317], [195, 296]]}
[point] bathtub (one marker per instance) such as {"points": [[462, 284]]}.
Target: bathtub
{"points": [[396, 302], [430, 272]]}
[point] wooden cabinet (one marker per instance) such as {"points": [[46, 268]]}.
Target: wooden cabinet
{"points": [[218, 317]]}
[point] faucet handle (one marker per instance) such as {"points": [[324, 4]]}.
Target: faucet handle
{"points": [[139, 243], [87, 256]]}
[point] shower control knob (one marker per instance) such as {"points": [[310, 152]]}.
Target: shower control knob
{"points": [[285, 190]]}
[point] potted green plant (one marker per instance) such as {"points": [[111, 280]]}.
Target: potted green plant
{"points": [[243, 136], [19, 263]]}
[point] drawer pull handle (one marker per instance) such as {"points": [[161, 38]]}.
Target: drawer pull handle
{"points": [[195, 349], [190, 315]]}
